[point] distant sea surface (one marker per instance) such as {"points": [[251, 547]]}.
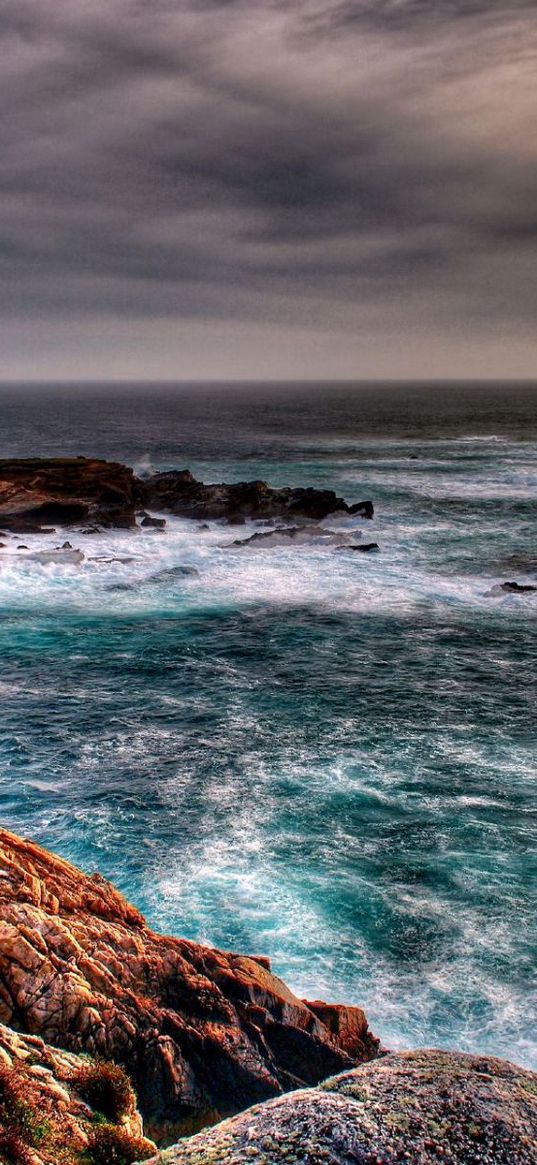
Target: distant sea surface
{"points": [[325, 757]]}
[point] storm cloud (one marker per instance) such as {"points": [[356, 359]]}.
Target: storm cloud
{"points": [[205, 188]]}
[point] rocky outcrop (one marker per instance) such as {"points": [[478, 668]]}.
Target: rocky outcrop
{"points": [[37, 494], [60, 1109], [65, 491], [424, 1108], [180, 493], [201, 1032]]}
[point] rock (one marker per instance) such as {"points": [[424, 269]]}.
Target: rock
{"points": [[365, 547], [154, 523], [201, 1032], [284, 535], [424, 1108], [66, 491], [57, 1107], [181, 494], [362, 509], [74, 491], [517, 588], [169, 573]]}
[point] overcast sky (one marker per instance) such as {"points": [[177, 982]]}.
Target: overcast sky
{"points": [[194, 188]]}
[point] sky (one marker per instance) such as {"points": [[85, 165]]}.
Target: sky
{"points": [[267, 190]]}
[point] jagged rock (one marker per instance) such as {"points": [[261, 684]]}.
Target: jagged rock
{"points": [[201, 1032], [66, 491], [72, 491], [424, 1108], [58, 1107], [181, 494]]}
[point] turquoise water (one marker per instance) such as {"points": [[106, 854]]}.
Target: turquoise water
{"points": [[324, 757]]}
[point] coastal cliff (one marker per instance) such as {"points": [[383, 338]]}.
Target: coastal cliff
{"points": [[96, 1010], [201, 1033]]}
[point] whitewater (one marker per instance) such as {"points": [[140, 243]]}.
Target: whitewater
{"points": [[297, 750]]}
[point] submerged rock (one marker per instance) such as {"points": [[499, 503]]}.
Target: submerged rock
{"points": [[202, 1033], [424, 1108], [284, 535]]}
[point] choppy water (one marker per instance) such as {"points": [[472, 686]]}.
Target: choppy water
{"points": [[325, 757]]}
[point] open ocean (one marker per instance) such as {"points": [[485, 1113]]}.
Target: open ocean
{"points": [[325, 757]]}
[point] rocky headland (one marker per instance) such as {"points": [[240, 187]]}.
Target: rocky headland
{"points": [[201, 1033], [103, 1022], [37, 494]]}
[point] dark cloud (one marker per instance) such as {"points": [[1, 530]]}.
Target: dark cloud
{"points": [[356, 166]]}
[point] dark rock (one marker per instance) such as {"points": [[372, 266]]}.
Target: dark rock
{"points": [[423, 1108], [181, 494], [149, 521], [78, 490], [202, 1033], [517, 588], [362, 509], [365, 547], [22, 547]]}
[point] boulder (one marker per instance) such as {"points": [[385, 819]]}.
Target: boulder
{"points": [[202, 1033], [423, 1108]]}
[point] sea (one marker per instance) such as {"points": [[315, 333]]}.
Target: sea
{"points": [[299, 751]]}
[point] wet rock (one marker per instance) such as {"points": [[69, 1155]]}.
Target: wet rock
{"points": [[517, 588], [287, 535], [362, 509], [201, 1032], [154, 523], [424, 1108], [181, 494], [364, 547], [171, 572]]}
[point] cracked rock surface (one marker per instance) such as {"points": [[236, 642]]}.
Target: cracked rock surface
{"points": [[202, 1033]]}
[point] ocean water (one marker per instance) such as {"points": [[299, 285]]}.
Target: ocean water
{"points": [[326, 757]]}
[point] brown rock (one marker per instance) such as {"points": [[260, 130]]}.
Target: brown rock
{"points": [[65, 491], [201, 1032]]}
